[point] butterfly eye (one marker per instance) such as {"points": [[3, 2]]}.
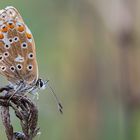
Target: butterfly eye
{"points": [[11, 24], [6, 46], [12, 68], [29, 67], [20, 27], [24, 45], [3, 68], [30, 55], [16, 39], [1, 57], [4, 28], [6, 54], [19, 66]]}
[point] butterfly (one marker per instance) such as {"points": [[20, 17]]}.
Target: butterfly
{"points": [[18, 55]]}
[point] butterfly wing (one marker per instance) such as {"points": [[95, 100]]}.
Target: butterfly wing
{"points": [[17, 48]]}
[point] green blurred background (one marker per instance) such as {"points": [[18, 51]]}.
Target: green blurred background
{"points": [[90, 51]]}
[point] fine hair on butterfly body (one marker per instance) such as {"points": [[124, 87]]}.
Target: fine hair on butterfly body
{"points": [[18, 56]]}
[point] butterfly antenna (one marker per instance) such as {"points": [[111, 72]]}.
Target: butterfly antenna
{"points": [[60, 107]]}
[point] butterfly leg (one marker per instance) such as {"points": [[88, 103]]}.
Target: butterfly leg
{"points": [[15, 92], [29, 91], [6, 88], [23, 96]]}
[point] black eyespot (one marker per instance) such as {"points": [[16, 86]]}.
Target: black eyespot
{"points": [[7, 46], [3, 68], [30, 55], [29, 67], [10, 40], [24, 45], [1, 57], [19, 66], [6, 54], [16, 39], [12, 68]]}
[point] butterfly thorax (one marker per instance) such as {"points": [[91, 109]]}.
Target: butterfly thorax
{"points": [[23, 87]]}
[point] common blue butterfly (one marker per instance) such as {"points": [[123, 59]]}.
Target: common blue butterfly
{"points": [[18, 55]]}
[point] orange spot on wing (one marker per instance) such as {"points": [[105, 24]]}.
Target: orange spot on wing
{"points": [[1, 36], [29, 36], [20, 28], [4, 29], [11, 25]]}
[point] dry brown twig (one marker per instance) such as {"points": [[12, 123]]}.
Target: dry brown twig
{"points": [[25, 110]]}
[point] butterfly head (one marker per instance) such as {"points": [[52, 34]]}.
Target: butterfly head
{"points": [[41, 84]]}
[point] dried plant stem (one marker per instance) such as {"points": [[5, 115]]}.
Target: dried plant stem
{"points": [[6, 122], [25, 110]]}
